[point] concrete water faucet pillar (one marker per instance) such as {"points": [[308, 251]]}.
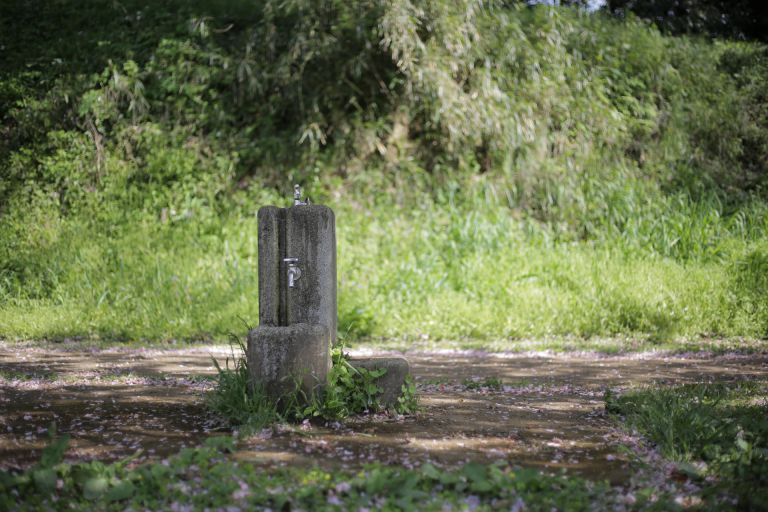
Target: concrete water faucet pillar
{"points": [[297, 297], [297, 266], [297, 305]]}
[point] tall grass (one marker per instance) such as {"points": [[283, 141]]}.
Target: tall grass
{"points": [[234, 399], [431, 272]]}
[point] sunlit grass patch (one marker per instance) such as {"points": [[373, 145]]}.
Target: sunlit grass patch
{"points": [[575, 345], [41, 320]]}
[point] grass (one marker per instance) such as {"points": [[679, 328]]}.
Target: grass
{"points": [[11, 375], [616, 345], [489, 383], [206, 477], [613, 345], [396, 281], [717, 431]]}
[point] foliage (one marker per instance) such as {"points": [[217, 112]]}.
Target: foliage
{"points": [[749, 275], [408, 401], [482, 158], [741, 19], [349, 391], [489, 383], [235, 399], [90, 480], [716, 429], [204, 478]]}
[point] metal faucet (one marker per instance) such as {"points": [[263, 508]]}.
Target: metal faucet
{"points": [[294, 272], [297, 197]]}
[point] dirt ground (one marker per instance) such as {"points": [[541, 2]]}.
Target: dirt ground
{"points": [[548, 414]]}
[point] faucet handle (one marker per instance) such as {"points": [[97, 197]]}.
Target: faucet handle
{"points": [[290, 260]]}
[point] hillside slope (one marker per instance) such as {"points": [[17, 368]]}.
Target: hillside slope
{"points": [[498, 170]]}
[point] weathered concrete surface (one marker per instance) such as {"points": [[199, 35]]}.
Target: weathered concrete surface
{"points": [[306, 232], [278, 357], [310, 234], [392, 381], [271, 222]]}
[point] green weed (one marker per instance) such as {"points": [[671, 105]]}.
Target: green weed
{"points": [[348, 391], [205, 478], [235, 398], [491, 383], [25, 376], [408, 401], [725, 427]]}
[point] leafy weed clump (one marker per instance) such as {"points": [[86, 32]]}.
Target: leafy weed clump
{"points": [[349, 391]]}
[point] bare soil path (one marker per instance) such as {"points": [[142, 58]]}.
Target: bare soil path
{"points": [[547, 414]]}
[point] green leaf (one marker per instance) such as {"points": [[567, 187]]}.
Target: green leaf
{"points": [[123, 490], [430, 471], [158, 471], [742, 444], [477, 474], [221, 443], [45, 480], [54, 452], [688, 469], [95, 487]]}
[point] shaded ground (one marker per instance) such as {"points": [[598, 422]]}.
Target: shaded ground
{"points": [[547, 414]]}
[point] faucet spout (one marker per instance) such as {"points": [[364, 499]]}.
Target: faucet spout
{"points": [[294, 272], [297, 197]]}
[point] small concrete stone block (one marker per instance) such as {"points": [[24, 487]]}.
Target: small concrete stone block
{"points": [[279, 356], [392, 381]]}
